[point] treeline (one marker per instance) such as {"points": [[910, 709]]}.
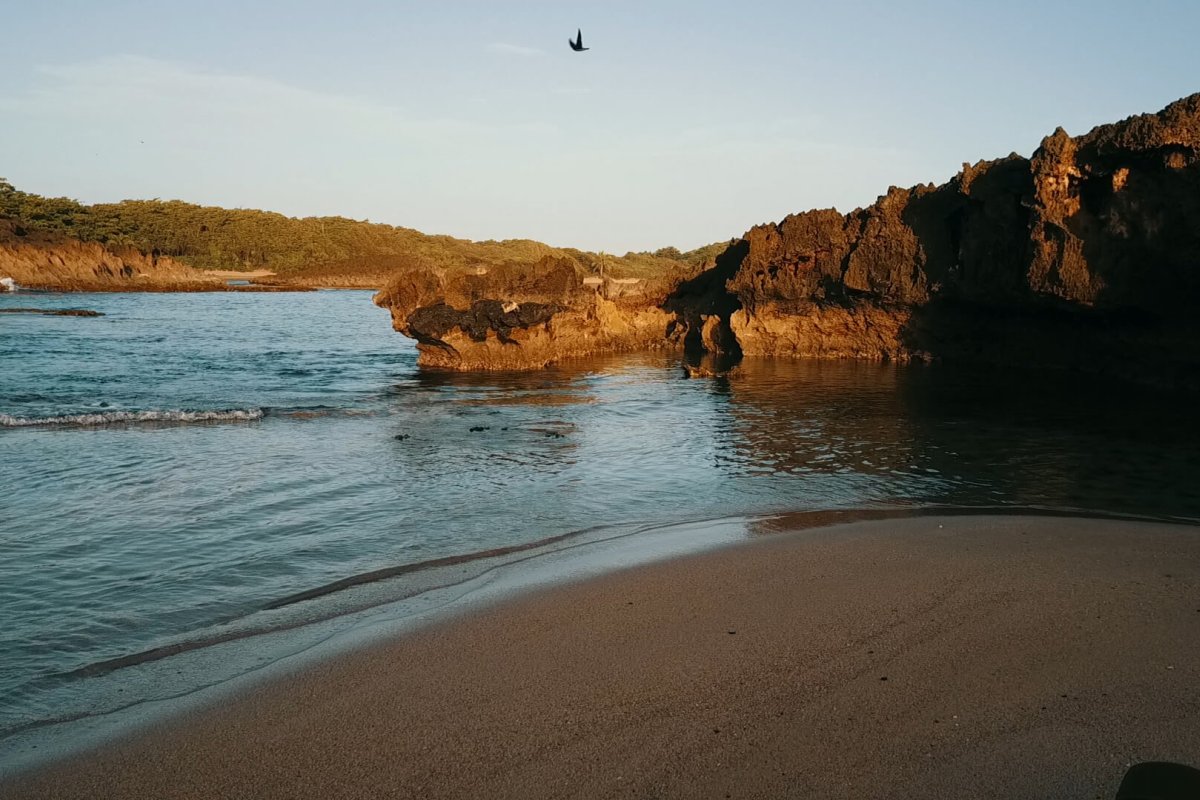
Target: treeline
{"points": [[208, 237]]}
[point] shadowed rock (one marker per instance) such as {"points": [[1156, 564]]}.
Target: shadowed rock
{"points": [[1086, 255]]}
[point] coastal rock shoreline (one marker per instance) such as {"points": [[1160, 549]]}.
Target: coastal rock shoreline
{"points": [[1085, 255], [522, 317], [32, 260]]}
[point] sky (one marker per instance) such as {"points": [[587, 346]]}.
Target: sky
{"points": [[686, 123]]}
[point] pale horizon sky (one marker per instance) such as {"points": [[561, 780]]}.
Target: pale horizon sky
{"points": [[687, 123]]}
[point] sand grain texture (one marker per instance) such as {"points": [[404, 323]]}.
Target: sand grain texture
{"points": [[930, 657]]}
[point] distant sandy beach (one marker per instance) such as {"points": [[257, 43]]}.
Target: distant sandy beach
{"points": [[236, 274], [920, 657]]}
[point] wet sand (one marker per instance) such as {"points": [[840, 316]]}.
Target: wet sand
{"points": [[927, 657]]}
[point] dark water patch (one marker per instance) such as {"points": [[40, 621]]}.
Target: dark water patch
{"points": [[788, 522], [53, 312], [140, 418]]}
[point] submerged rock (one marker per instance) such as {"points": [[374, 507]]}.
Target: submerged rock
{"points": [[54, 312]]}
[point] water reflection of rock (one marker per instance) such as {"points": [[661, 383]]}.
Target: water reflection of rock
{"points": [[541, 423], [795, 416], [1055, 440], [933, 435], [796, 434]]}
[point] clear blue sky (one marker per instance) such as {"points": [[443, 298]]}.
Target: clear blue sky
{"points": [[686, 123]]}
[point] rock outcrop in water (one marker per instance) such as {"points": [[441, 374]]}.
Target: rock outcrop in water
{"points": [[1085, 255], [524, 316]]}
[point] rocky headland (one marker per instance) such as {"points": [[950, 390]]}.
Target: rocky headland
{"points": [[1085, 255], [43, 260]]}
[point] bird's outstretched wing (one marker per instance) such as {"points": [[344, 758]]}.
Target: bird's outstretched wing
{"points": [[579, 37]]}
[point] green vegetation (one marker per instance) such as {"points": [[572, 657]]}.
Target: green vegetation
{"points": [[207, 237]]}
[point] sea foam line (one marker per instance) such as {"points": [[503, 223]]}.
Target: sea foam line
{"points": [[124, 417]]}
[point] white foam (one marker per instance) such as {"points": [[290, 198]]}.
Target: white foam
{"points": [[8, 285], [123, 417]]}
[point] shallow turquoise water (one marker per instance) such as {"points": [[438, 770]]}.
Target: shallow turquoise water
{"points": [[183, 462]]}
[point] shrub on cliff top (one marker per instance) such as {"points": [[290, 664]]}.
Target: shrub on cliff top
{"points": [[209, 237]]}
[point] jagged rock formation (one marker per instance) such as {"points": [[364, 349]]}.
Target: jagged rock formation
{"points": [[1085, 255], [524, 316]]}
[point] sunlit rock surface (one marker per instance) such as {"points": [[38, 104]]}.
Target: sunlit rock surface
{"points": [[523, 317], [40, 260], [1086, 255]]}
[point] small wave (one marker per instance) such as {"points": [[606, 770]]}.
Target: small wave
{"points": [[132, 417]]}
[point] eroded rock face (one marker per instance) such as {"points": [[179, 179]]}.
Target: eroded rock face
{"points": [[1085, 255], [862, 331], [522, 317], [1093, 242], [39, 260]]}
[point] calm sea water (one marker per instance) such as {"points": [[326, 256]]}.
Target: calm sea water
{"points": [[171, 469]]}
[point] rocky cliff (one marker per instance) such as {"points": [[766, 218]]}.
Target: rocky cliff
{"points": [[1085, 255], [41, 260], [37, 260]]}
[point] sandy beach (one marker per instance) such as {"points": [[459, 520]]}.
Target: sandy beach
{"points": [[922, 657], [238, 274]]}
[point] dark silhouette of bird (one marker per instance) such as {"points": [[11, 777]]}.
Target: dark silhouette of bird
{"points": [[577, 44]]}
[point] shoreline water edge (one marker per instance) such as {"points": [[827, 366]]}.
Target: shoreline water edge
{"points": [[378, 503], [904, 584]]}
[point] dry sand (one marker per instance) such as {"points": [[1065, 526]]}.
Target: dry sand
{"points": [[236, 274], [931, 657]]}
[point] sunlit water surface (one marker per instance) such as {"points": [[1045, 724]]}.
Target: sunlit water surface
{"points": [[185, 461]]}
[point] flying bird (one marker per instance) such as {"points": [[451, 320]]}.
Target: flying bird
{"points": [[577, 44]]}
